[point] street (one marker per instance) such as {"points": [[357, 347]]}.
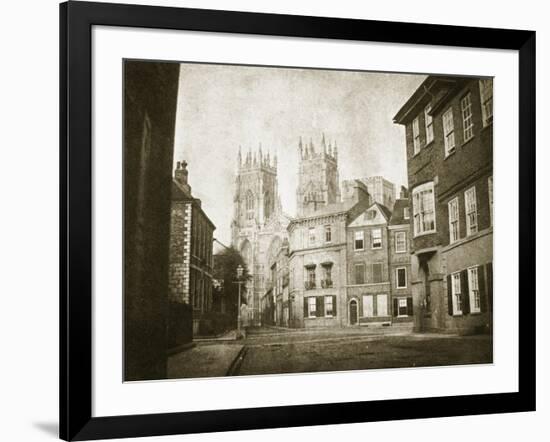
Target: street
{"points": [[272, 351]]}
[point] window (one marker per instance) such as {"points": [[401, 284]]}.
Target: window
{"points": [[486, 95], [455, 287], [311, 307], [329, 311], [423, 209], [416, 136], [471, 211], [249, 205], [376, 237], [359, 270], [402, 307], [377, 272], [406, 213], [381, 305], [449, 131], [490, 190], [359, 240], [454, 233], [467, 119], [400, 242], [311, 236], [327, 276], [473, 284], [328, 234], [310, 282], [428, 120], [401, 277], [368, 306]]}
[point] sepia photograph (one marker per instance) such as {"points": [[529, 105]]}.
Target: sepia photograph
{"points": [[283, 220]]}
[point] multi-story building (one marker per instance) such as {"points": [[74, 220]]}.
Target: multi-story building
{"points": [[449, 139], [150, 99], [317, 240], [368, 284], [191, 261], [258, 223], [400, 262]]}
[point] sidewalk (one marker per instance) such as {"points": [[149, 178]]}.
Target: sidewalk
{"points": [[204, 360]]}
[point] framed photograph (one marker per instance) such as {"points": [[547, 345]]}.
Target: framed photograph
{"points": [[272, 220]]}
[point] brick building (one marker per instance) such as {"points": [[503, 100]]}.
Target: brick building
{"points": [[191, 260], [449, 139], [368, 283], [400, 262]]}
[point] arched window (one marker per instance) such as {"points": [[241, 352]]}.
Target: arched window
{"points": [[249, 205], [268, 205]]}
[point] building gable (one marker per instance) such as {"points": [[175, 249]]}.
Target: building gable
{"points": [[373, 216]]}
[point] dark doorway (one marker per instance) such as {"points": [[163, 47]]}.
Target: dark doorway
{"points": [[353, 312]]}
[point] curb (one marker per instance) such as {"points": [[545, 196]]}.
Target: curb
{"points": [[236, 364], [172, 351]]}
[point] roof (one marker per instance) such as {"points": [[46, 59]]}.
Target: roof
{"points": [[385, 211], [397, 216], [179, 193], [434, 87]]}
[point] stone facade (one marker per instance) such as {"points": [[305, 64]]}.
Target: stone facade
{"points": [[449, 140], [258, 222]]}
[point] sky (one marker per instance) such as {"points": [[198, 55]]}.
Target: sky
{"points": [[222, 107]]}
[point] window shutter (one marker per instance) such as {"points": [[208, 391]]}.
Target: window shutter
{"points": [[481, 286], [305, 307], [334, 303], [490, 286], [395, 307], [449, 296], [409, 306], [464, 292], [320, 304]]}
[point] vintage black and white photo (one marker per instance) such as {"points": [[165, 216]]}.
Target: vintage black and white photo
{"points": [[304, 220]]}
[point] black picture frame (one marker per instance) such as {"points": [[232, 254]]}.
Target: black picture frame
{"points": [[76, 21]]}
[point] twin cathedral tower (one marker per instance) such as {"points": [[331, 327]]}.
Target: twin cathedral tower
{"points": [[259, 226]]}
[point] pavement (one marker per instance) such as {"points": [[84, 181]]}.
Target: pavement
{"points": [[270, 350]]}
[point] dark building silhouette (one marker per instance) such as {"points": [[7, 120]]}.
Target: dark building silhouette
{"points": [[150, 97]]}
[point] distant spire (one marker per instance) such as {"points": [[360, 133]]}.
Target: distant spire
{"points": [[301, 147], [261, 159], [330, 148], [335, 151], [311, 147], [324, 143], [255, 160], [268, 159], [240, 158], [275, 160]]}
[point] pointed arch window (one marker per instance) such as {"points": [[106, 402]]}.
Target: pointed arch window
{"points": [[249, 205]]}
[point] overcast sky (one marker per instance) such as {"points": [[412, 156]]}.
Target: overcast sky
{"points": [[222, 107]]}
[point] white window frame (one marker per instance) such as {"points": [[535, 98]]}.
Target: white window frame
{"points": [[380, 296], [399, 315], [309, 305], [379, 246], [328, 234], [397, 278], [406, 213], [404, 249], [454, 221], [365, 304], [429, 124], [467, 117], [490, 191], [311, 236], [486, 98], [358, 235], [416, 136], [470, 208], [473, 288], [449, 132], [418, 223], [325, 306], [456, 293]]}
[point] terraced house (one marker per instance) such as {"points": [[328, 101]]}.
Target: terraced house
{"points": [[449, 139]]}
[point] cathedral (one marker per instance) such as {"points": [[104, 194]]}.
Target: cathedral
{"points": [[259, 226]]}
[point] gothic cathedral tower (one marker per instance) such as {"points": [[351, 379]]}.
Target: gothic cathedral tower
{"points": [[255, 203], [318, 181]]}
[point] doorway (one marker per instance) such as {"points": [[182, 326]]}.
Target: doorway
{"points": [[353, 312]]}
